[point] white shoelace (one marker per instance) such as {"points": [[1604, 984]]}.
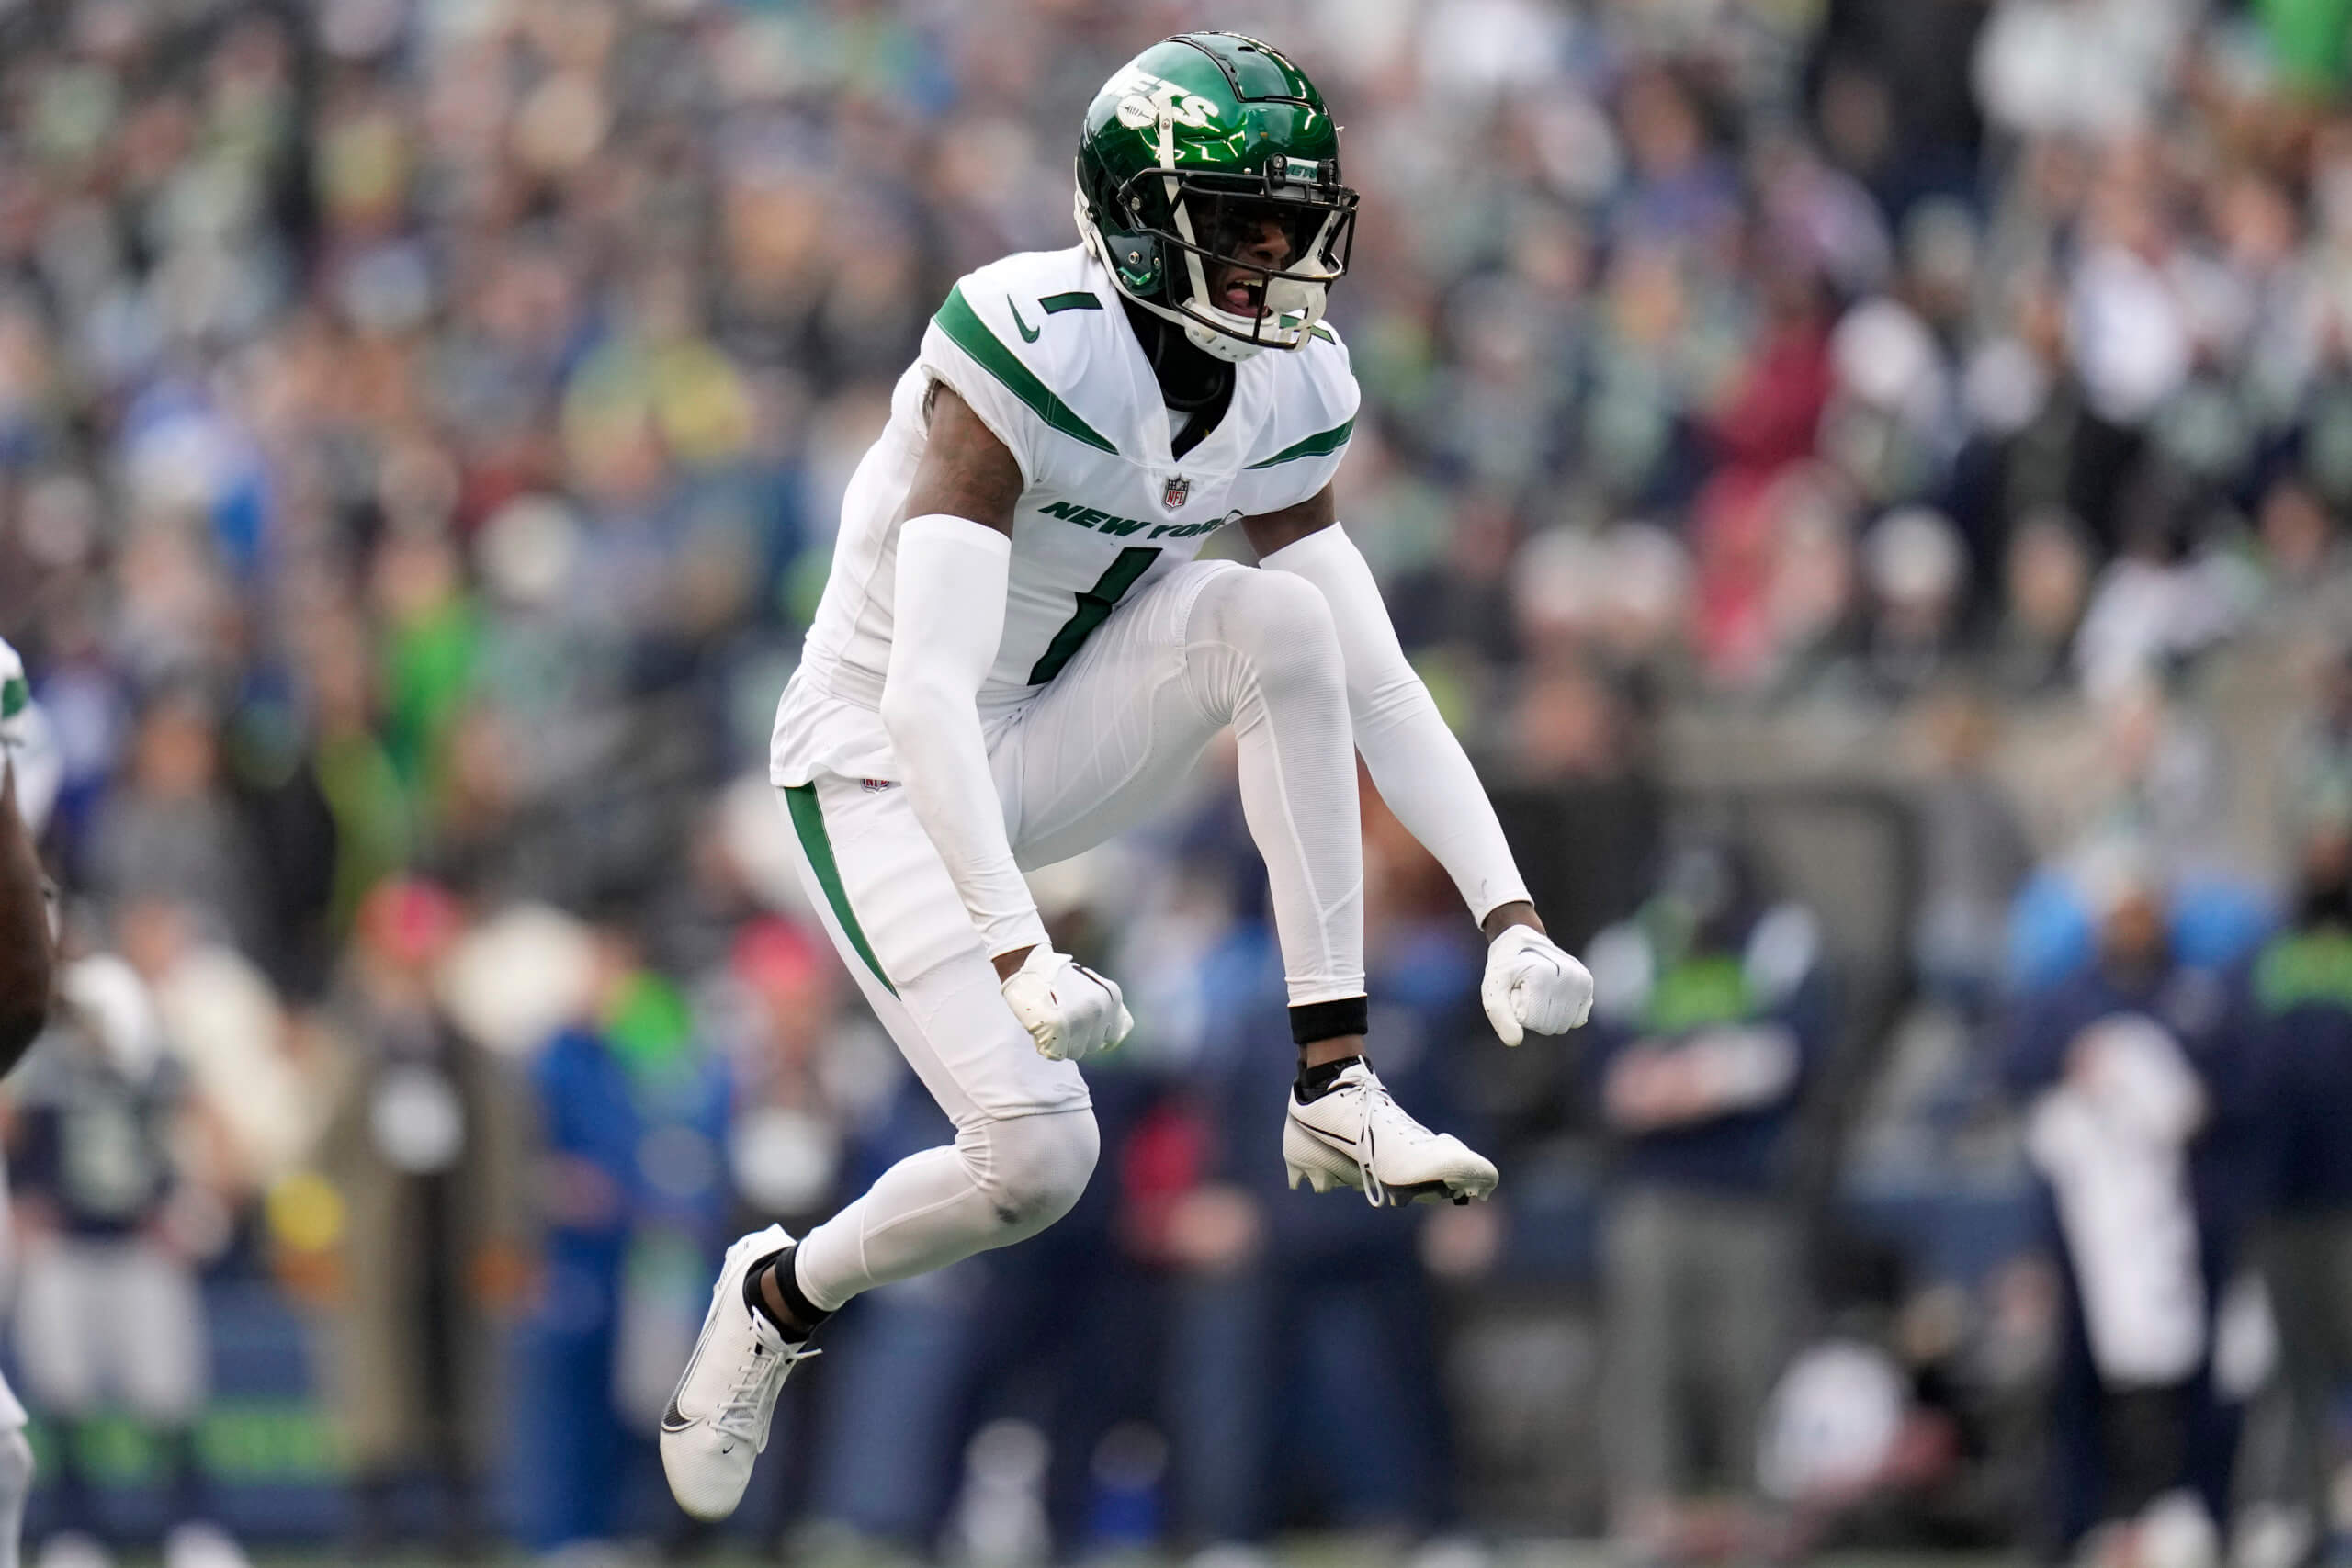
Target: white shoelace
{"points": [[1374, 1193], [1373, 1094], [753, 1393]]}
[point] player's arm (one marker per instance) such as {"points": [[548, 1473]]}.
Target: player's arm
{"points": [[954, 573], [1423, 772], [24, 956]]}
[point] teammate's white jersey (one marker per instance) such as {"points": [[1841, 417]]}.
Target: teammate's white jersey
{"points": [[1038, 346]]}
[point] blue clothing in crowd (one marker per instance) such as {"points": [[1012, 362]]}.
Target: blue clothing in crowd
{"points": [[612, 1114], [2299, 1005], [93, 1137], [1652, 988], [2202, 1010]]}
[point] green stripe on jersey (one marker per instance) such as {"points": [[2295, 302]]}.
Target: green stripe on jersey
{"points": [[808, 822], [959, 322], [1318, 445], [1077, 300]]}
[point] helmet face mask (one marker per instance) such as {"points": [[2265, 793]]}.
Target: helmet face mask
{"points": [[1208, 184]]}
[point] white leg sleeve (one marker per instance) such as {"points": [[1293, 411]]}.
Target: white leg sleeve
{"points": [[1417, 764], [1263, 653], [1000, 1182], [1210, 645]]}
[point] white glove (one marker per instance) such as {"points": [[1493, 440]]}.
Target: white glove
{"points": [[1532, 983], [28, 744], [15, 698], [1069, 1009]]}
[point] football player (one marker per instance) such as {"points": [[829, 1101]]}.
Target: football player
{"points": [[25, 912], [26, 958], [1017, 657]]}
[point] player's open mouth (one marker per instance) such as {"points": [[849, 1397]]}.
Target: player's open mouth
{"points": [[1243, 298]]}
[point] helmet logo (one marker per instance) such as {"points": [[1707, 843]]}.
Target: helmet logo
{"points": [[1179, 490], [1146, 101]]}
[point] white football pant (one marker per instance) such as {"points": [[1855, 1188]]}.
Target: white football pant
{"points": [[1211, 644]]}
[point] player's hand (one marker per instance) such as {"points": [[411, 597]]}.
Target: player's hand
{"points": [[30, 764], [15, 700], [1069, 1009], [1532, 983]]}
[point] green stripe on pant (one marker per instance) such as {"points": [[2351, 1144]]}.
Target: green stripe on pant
{"points": [[808, 822]]}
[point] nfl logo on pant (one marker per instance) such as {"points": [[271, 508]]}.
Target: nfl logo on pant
{"points": [[1179, 489]]}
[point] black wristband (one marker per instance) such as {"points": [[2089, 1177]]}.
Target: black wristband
{"points": [[1326, 1020]]}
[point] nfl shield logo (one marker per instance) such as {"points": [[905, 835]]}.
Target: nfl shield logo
{"points": [[1179, 490]]}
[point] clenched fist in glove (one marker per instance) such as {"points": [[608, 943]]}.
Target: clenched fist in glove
{"points": [[15, 699], [1532, 983], [28, 744], [1069, 1009]]}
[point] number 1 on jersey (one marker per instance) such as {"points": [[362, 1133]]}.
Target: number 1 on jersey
{"points": [[1093, 608]]}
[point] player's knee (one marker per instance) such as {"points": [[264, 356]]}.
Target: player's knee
{"points": [[1281, 622], [1037, 1165]]}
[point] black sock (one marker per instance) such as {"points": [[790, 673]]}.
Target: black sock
{"points": [[1314, 1083], [806, 1315]]}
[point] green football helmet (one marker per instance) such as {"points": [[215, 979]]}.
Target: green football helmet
{"points": [[1208, 183]]}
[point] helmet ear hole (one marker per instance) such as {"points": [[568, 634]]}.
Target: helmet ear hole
{"points": [[1135, 258]]}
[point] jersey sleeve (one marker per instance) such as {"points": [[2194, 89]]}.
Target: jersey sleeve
{"points": [[1312, 433], [979, 346]]}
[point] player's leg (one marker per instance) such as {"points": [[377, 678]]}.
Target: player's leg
{"points": [[1645, 1311], [1025, 1129], [162, 1377], [61, 1315], [1026, 1140], [15, 1475], [1214, 644]]}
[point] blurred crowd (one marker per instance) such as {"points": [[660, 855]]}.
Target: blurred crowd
{"points": [[1868, 478]]}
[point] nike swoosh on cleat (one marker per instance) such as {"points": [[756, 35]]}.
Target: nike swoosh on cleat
{"points": [[1028, 333], [673, 1419]]}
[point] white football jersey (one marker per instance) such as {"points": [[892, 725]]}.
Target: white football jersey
{"points": [[1038, 346]]}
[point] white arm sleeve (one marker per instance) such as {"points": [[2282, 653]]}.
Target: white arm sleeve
{"points": [[1419, 767], [949, 614]]}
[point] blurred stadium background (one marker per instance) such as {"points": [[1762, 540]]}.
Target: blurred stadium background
{"points": [[1866, 477]]}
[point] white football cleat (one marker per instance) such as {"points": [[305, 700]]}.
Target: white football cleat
{"points": [[718, 1420], [1355, 1135]]}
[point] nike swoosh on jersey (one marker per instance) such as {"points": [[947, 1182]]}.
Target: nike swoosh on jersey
{"points": [[1028, 333]]}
